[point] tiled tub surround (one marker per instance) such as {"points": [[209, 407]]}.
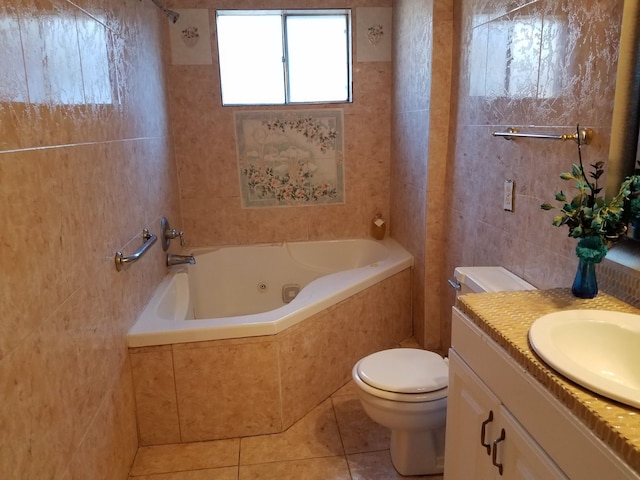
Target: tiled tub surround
{"points": [[259, 385], [506, 318]]}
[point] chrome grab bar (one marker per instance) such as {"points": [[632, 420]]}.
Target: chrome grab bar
{"points": [[582, 136], [123, 260]]}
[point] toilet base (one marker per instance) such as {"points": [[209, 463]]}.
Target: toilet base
{"points": [[418, 452]]}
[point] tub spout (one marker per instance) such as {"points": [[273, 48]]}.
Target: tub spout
{"points": [[179, 259]]}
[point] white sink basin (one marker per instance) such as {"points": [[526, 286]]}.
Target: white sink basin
{"points": [[597, 349]]}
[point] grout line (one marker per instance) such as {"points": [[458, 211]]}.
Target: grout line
{"points": [[344, 450], [175, 391]]}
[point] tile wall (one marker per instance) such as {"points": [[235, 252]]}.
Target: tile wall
{"points": [[561, 73], [203, 132], [420, 145], [446, 186], [85, 164]]}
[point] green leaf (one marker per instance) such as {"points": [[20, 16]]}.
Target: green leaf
{"points": [[566, 176], [576, 232], [577, 201], [560, 196], [559, 220], [576, 170], [615, 209], [546, 206]]}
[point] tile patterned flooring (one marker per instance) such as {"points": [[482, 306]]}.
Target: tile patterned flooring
{"points": [[335, 441]]}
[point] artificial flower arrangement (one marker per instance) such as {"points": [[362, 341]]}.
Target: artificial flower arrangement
{"points": [[597, 222]]}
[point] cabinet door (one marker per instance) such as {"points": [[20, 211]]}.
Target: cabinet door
{"points": [[521, 457], [472, 415]]}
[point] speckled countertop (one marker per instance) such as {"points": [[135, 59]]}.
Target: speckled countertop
{"points": [[506, 318]]}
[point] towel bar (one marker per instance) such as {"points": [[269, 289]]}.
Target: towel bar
{"points": [[582, 136]]}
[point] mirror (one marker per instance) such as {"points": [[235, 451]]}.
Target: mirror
{"points": [[626, 110]]}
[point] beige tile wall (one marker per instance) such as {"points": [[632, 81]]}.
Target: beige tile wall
{"points": [[85, 164], [583, 66], [446, 187], [422, 92], [262, 385]]}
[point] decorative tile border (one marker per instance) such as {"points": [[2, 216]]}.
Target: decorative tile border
{"points": [[290, 158]]}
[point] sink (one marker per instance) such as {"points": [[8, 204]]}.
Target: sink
{"points": [[598, 349]]}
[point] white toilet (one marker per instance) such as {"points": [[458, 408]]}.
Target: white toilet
{"points": [[405, 389]]}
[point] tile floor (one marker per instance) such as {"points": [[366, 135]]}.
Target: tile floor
{"points": [[335, 441]]}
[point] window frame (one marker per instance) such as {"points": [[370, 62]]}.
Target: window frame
{"points": [[284, 13]]}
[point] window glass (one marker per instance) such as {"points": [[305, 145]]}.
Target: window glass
{"points": [[280, 57], [318, 61], [250, 52]]}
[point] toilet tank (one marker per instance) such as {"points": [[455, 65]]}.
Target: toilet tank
{"points": [[488, 279]]}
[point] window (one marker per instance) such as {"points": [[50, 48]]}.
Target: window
{"points": [[277, 57]]}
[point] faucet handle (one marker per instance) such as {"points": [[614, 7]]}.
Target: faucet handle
{"points": [[172, 233], [169, 234]]}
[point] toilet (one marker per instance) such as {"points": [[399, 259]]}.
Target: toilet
{"points": [[405, 389]]}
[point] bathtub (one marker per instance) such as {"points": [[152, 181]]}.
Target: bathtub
{"points": [[247, 291]]}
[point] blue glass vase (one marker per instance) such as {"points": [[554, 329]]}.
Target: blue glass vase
{"points": [[585, 284]]}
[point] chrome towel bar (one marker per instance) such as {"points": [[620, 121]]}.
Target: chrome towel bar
{"points": [[123, 260], [582, 136]]}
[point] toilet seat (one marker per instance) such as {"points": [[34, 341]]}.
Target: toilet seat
{"points": [[403, 374]]}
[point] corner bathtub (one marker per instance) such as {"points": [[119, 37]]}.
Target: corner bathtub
{"points": [[240, 291]]}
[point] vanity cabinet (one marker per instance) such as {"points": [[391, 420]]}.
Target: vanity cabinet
{"points": [[484, 441], [503, 424]]}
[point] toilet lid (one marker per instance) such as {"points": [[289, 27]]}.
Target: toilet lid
{"points": [[404, 370]]}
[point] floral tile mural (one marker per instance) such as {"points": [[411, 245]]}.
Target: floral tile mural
{"points": [[290, 158]]}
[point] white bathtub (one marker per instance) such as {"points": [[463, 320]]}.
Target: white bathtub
{"points": [[235, 292]]}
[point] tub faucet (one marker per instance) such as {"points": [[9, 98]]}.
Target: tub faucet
{"points": [[172, 233], [169, 234], [173, 259]]}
